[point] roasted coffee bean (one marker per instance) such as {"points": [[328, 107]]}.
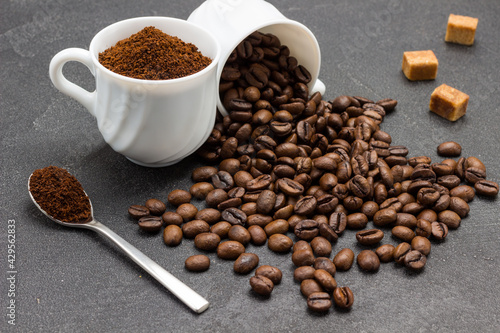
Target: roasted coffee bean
{"points": [[486, 188], [474, 162], [326, 203], [203, 173], [340, 103], [413, 161], [178, 197], [423, 228], [221, 228], [415, 260], [385, 217], [388, 104], [309, 286], [230, 250], [200, 190], [421, 244], [303, 273], [306, 205], [266, 201], [261, 285], [449, 149], [449, 181], [427, 214], [325, 264], [138, 211], [326, 231], [385, 252], [307, 229], [240, 234], [427, 196], [303, 258], [439, 230], [400, 252], [473, 175], [257, 234], [450, 218], [192, 228], [279, 243], [271, 272], [187, 211], [343, 259], [319, 302], [301, 245], [369, 208], [259, 219], [343, 297], [231, 202], [155, 206], [403, 233], [369, 236], [406, 220], [423, 172], [465, 192], [172, 235], [359, 186], [368, 261], [150, 223], [172, 218], [356, 221], [459, 206], [325, 280], [338, 222], [442, 169], [259, 183], [279, 226], [197, 263], [251, 94], [245, 263], [207, 241], [209, 215], [321, 246], [223, 180], [231, 165], [234, 216]]}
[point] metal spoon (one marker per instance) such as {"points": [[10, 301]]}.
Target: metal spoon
{"points": [[174, 285]]}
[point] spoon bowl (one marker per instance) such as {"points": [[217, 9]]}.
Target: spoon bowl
{"points": [[184, 293]]}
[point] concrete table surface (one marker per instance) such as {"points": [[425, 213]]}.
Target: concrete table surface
{"points": [[69, 280]]}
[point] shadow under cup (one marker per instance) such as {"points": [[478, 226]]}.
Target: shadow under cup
{"points": [[155, 122]]}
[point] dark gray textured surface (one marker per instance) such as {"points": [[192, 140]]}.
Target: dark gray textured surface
{"points": [[75, 281]]}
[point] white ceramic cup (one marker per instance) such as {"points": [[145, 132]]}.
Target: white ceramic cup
{"points": [[231, 21], [151, 122]]}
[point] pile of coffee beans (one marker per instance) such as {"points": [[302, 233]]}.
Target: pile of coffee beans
{"points": [[295, 171]]}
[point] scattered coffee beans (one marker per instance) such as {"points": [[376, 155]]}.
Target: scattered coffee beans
{"points": [[297, 172]]}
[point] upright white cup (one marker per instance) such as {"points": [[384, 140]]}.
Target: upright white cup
{"points": [[231, 21], [152, 122]]}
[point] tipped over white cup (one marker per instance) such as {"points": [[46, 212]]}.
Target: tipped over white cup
{"points": [[152, 122], [231, 21]]}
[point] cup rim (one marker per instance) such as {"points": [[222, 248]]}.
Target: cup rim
{"points": [[214, 63]]}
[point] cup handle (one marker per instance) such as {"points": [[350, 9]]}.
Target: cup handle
{"points": [[67, 87], [319, 86]]}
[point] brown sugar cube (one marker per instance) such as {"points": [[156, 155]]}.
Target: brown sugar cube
{"points": [[448, 102], [420, 65], [461, 29]]}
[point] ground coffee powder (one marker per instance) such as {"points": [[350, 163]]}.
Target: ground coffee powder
{"points": [[152, 54], [60, 194]]}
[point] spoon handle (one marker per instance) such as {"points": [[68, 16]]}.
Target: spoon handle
{"points": [[187, 295]]}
